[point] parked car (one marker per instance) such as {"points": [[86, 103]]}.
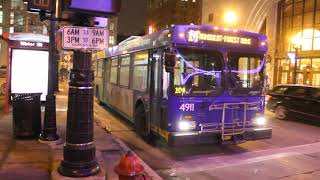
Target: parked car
{"points": [[295, 100]]}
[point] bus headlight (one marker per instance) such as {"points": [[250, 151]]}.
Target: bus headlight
{"points": [[260, 121], [186, 125]]}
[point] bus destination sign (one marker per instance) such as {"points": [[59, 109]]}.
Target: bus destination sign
{"points": [[88, 38], [197, 36]]}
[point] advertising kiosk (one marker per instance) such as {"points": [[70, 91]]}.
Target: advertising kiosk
{"points": [[27, 64]]}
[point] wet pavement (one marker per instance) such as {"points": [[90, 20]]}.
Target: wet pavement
{"points": [[292, 153]]}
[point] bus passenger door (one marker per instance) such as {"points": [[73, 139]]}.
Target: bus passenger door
{"points": [[155, 89]]}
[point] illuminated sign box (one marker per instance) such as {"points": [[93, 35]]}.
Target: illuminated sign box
{"points": [[198, 36], [103, 8], [38, 5], [29, 72]]}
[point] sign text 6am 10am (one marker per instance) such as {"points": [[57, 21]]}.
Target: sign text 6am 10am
{"points": [[86, 38]]}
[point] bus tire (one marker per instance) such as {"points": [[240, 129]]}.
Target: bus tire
{"points": [[141, 123], [281, 112]]}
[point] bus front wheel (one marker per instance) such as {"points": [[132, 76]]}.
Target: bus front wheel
{"points": [[141, 123]]}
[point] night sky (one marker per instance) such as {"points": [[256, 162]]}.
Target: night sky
{"points": [[132, 17]]}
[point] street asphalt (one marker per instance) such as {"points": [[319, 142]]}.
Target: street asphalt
{"points": [[292, 153]]}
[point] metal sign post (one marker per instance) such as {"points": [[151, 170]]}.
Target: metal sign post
{"points": [[79, 157]]}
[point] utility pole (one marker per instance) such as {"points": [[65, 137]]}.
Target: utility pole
{"points": [[49, 130], [79, 157]]}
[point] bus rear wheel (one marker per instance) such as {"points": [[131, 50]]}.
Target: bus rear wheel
{"points": [[141, 123]]}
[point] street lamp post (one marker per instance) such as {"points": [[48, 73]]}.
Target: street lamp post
{"points": [[296, 44], [294, 80]]}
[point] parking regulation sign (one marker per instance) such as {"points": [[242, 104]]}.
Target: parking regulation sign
{"points": [[86, 38]]}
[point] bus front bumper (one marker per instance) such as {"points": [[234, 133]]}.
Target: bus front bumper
{"points": [[196, 137]]}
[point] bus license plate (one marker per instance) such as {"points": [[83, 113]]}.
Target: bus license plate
{"points": [[227, 138]]}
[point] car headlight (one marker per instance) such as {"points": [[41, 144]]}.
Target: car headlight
{"points": [[260, 121], [186, 125]]}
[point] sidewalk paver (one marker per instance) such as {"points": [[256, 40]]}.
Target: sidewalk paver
{"points": [[30, 159]]}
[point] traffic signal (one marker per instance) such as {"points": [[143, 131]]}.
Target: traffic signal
{"points": [[41, 5], [101, 8]]}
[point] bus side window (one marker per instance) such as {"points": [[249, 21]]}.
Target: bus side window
{"points": [[114, 70], [140, 71]]}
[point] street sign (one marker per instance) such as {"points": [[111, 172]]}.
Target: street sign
{"points": [[87, 38]]}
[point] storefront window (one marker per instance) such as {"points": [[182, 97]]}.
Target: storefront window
{"points": [[308, 5], [300, 30], [316, 64], [284, 78], [318, 4], [298, 6], [305, 63], [316, 79], [284, 64], [317, 18], [316, 40]]}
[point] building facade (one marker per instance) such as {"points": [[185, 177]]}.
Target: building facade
{"points": [[293, 30], [14, 18], [299, 34], [165, 13]]}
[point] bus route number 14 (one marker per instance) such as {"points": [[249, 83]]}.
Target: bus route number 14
{"points": [[187, 107]]}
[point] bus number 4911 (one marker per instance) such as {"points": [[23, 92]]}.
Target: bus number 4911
{"points": [[187, 107]]}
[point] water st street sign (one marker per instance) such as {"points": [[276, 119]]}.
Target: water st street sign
{"points": [[86, 38]]}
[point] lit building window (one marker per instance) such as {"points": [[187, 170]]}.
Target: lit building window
{"points": [[0, 31], [306, 37], [1, 16], [210, 18], [44, 29], [20, 20], [11, 30], [150, 31], [111, 27], [111, 40], [11, 17], [17, 4]]}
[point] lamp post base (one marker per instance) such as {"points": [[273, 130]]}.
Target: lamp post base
{"points": [[73, 166], [49, 132]]}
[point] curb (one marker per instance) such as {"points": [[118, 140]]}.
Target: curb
{"points": [[149, 171]]}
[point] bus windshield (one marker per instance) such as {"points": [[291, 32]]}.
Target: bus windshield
{"points": [[245, 74], [198, 72]]}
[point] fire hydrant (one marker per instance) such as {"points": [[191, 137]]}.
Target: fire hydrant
{"points": [[129, 168]]}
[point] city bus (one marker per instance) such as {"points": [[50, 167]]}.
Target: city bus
{"points": [[188, 84]]}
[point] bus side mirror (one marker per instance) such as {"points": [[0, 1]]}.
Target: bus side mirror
{"points": [[169, 61]]}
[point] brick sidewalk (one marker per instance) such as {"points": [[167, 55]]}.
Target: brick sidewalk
{"points": [[29, 159]]}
